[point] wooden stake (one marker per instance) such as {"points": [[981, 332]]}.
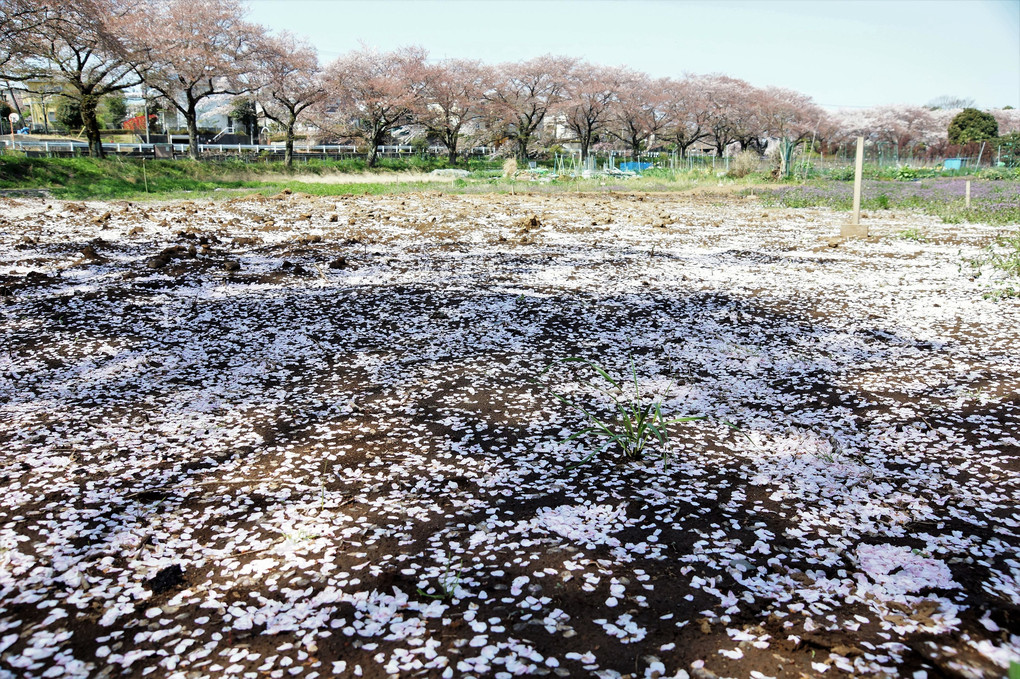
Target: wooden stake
{"points": [[967, 194], [858, 172], [854, 228]]}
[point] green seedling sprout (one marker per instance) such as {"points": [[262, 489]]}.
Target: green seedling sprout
{"points": [[447, 582], [638, 422]]}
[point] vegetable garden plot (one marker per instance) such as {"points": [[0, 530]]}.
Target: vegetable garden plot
{"points": [[298, 437]]}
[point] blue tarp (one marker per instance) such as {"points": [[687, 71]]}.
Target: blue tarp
{"points": [[634, 166], [953, 163]]}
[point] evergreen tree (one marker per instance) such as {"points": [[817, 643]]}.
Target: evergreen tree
{"points": [[970, 125]]}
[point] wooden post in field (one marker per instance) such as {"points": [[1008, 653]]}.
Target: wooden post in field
{"points": [[967, 195], [858, 174], [854, 229]]}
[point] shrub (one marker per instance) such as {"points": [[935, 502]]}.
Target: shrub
{"points": [[911, 173], [842, 174], [112, 110], [1008, 146], [744, 163], [69, 114], [971, 124]]}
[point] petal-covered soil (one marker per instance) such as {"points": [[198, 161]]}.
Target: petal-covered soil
{"points": [[300, 437]]}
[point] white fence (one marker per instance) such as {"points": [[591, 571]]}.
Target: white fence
{"points": [[149, 150]]}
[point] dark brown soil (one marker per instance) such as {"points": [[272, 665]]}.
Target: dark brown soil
{"points": [[304, 437]]}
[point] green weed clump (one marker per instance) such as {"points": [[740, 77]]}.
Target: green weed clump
{"points": [[636, 423], [1003, 256], [912, 234]]}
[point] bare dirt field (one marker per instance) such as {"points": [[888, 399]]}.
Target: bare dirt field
{"points": [[300, 437]]}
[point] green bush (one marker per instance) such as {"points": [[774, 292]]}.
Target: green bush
{"points": [[112, 110], [970, 125], [1008, 148], [910, 173], [842, 174], [69, 114], [1000, 173]]}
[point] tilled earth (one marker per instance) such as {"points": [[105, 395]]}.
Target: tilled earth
{"points": [[303, 437]]}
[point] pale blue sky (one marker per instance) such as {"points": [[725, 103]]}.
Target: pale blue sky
{"points": [[840, 52]]}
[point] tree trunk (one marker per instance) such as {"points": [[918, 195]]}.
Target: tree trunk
{"points": [[451, 142], [192, 119], [288, 153], [14, 100], [522, 147], [373, 148], [89, 102]]}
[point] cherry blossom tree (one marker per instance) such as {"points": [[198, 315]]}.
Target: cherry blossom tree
{"points": [[907, 126], [687, 111], [590, 95], [369, 94], [1008, 119], [18, 19], [913, 129], [788, 116], [84, 47], [452, 100], [199, 49], [523, 94], [288, 72], [640, 111], [850, 123], [727, 109]]}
